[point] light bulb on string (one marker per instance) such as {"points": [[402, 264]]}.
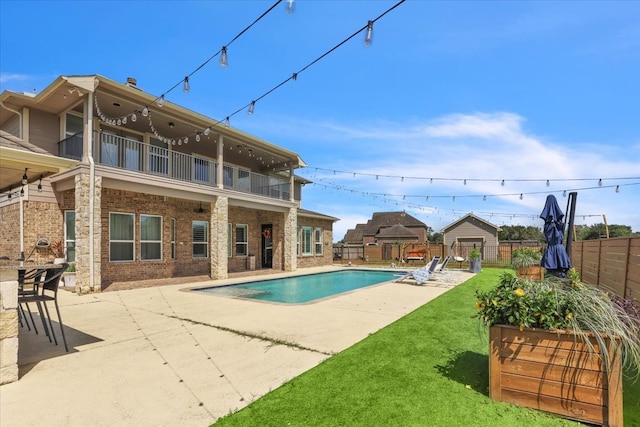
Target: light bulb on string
{"points": [[502, 183], [185, 86], [223, 57], [484, 198], [207, 131], [600, 182], [226, 122], [161, 101], [290, 6], [521, 196], [548, 183], [134, 117], [145, 111], [617, 188], [252, 106], [368, 38], [465, 182], [564, 193], [40, 185], [198, 137], [25, 178]]}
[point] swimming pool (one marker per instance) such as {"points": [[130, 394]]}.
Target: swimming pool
{"points": [[301, 289]]}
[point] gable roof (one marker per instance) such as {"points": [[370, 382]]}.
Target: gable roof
{"points": [[354, 235], [469, 215], [388, 219], [397, 231], [312, 214]]}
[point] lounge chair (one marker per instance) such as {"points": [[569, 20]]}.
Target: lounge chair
{"points": [[440, 267], [421, 274]]}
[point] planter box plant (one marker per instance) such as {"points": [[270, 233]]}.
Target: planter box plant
{"points": [[555, 372], [559, 345], [526, 262], [475, 261]]}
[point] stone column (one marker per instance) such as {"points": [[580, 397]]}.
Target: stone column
{"points": [[218, 225], [84, 263], [290, 242], [8, 332]]}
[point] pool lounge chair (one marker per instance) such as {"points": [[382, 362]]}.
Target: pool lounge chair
{"points": [[422, 274], [440, 267]]}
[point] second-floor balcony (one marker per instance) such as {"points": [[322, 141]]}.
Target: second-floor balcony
{"points": [[118, 152]]}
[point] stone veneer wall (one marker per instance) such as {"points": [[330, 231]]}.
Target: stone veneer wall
{"points": [[8, 332], [9, 231], [79, 200], [219, 220]]}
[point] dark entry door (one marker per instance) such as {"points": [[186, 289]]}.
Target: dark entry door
{"points": [[267, 246]]}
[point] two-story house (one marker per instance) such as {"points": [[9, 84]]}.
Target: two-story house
{"points": [[137, 188]]}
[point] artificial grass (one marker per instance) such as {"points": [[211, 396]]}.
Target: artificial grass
{"points": [[428, 368]]}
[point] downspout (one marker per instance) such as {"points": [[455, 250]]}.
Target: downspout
{"points": [[92, 185]]}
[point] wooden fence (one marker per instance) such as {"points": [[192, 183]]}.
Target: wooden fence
{"points": [[610, 264]]}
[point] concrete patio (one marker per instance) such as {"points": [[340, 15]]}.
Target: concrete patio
{"points": [[164, 356]]}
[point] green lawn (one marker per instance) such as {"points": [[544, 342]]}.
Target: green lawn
{"points": [[429, 368]]}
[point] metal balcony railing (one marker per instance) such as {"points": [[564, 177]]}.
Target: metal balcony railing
{"points": [[124, 153]]}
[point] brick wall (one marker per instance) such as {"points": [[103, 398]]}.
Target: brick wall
{"points": [[9, 231], [327, 243]]}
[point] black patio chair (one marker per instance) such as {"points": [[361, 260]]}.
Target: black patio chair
{"points": [[46, 291]]}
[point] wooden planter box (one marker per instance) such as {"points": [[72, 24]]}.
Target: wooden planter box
{"points": [[554, 372], [531, 273]]}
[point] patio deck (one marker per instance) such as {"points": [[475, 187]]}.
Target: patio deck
{"points": [[163, 356]]}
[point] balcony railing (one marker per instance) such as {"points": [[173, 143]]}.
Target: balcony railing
{"points": [[123, 153]]}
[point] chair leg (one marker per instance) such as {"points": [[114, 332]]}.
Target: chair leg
{"points": [[64, 339], [46, 309], [43, 320], [20, 316], [30, 317]]}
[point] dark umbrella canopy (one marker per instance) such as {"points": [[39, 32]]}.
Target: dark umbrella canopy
{"points": [[555, 258]]}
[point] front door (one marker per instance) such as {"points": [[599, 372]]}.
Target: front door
{"points": [[267, 245]]}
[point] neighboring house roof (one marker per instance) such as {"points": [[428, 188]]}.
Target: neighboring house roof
{"points": [[388, 219], [464, 218], [311, 214], [397, 231], [18, 157], [354, 235]]}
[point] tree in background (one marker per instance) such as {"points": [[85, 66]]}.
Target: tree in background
{"points": [[520, 232], [599, 231]]}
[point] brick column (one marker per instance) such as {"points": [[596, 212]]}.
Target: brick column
{"points": [[218, 225], [290, 242], [83, 217], [8, 332]]}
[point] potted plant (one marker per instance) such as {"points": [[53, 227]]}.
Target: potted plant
{"points": [[69, 275], [475, 260], [57, 248], [526, 262], [560, 345]]}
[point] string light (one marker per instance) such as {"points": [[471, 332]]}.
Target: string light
{"points": [[223, 57], [521, 196], [600, 182], [617, 188], [185, 87], [290, 6], [161, 101], [502, 183], [251, 107], [40, 185], [25, 178], [548, 183], [369, 34]]}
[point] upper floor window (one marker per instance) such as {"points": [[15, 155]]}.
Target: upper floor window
{"points": [[150, 237], [121, 236]]}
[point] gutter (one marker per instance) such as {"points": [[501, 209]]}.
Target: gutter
{"points": [[19, 115], [92, 187]]}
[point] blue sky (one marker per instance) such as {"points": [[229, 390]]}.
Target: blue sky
{"points": [[479, 90]]}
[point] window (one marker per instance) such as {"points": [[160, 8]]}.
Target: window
{"points": [[318, 240], [229, 240], [150, 237], [121, 240], [173, 238], [70, 235], [242, 242], [298, 241], [307, 235], [200, 239]]}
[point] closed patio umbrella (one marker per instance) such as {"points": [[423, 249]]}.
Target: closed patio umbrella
{"points": [[555, 258]]}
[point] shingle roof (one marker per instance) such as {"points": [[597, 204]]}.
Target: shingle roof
{"points": [[388, 219], [354, 235], [11, 141], [397, 231]]}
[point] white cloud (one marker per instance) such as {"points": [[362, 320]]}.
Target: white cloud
{"points": [[13, 77]]}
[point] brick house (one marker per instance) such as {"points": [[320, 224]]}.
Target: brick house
{"points": [[138, 190]]}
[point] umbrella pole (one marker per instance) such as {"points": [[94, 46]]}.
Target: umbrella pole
{"points": [[571, 213]]}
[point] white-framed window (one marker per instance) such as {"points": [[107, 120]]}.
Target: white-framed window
{"points": [[121, 236], [173, 239], [200, 239], [70, 235], [298, 241], [318, 240], [307, 241], [229, 240], [242, 240], [150, 237]]}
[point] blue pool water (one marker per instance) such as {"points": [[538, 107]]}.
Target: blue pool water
{"points": [[300, 289]]}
